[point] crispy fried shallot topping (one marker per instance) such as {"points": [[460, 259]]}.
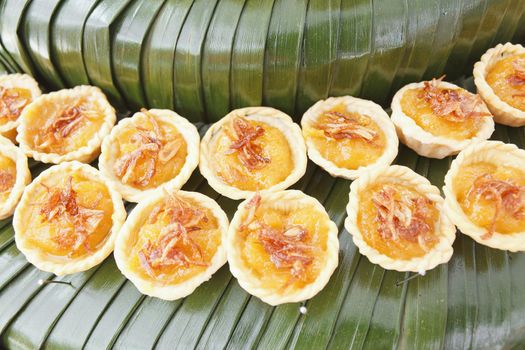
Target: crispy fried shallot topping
{"points": [[7, 180], [452, 105], [63, 124], [152, 147], [248, 151], [11, 104], [174, 246], [517, 78], [401, 215], [347, 126], [505, 195], [61, 203], [287, 248]]}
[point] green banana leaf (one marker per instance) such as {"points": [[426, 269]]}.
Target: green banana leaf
{"points": [[12, 12], [66, 39], [35, 35], [203, 58]]}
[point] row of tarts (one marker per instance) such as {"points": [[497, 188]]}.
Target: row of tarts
{"points": [[281, 244]]}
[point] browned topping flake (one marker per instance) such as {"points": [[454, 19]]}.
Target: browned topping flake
{"points": [[63, 124], [152, 147], [452, 105], [172, 246], [7, 180], [517, 78], [347, 126], [248, 151], [506, 196], [288, 248], [61, 203], [11, 104], [403, 216]]}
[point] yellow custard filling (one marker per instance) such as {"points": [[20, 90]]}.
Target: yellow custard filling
{"points": [[69, 217], [149, 154], [283, 248], [397, 220], [7, 177], [63, 126], [349, 140], [12, 102], [175, 242], [507, 79], [451, 113], [251, 155], [492, 196]]}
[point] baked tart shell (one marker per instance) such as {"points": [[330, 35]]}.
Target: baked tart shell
{"points": [[423, 142], [109, 154], [23, 176], [438, 254], [157, 289], [253, 285], [503, 112], [84, 154], [17, 81], [40, 259], [363, 107], [492, 152], [272, 117]]}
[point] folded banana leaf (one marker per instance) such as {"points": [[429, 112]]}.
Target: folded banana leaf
{"points": [[203, 58], [66, 38]]}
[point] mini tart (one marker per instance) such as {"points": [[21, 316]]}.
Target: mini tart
{"points": [[282, 246], [500, 79], [68, 219], [14, 176], [252, 149], [347, 136], [152, 149], [66, 125], [396, 220], [485, 194], [16, 92], [438, 119], [171, 243]]}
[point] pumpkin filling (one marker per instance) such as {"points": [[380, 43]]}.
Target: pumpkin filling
{"points": [[283, 247], [397, 221], [69, 217], [251, 155], [347, 139], [452, 113], [492, 196], [507, 79], [175, 242], [64, 126], [12, 102], [7, 177], [149, 154]]}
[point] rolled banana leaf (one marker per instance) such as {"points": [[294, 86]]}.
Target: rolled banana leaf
{"points": [[203, 58], [35, 36], [66, 37], [12, 12]]}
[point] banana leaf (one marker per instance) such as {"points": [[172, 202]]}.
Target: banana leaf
{"points": [[12, 12], [188, 100], [96, 48], [67, 36], [280, 75], [35, 33], [203, 58], [130, 33], [216, 57], [159, 53], [4, 68]]}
